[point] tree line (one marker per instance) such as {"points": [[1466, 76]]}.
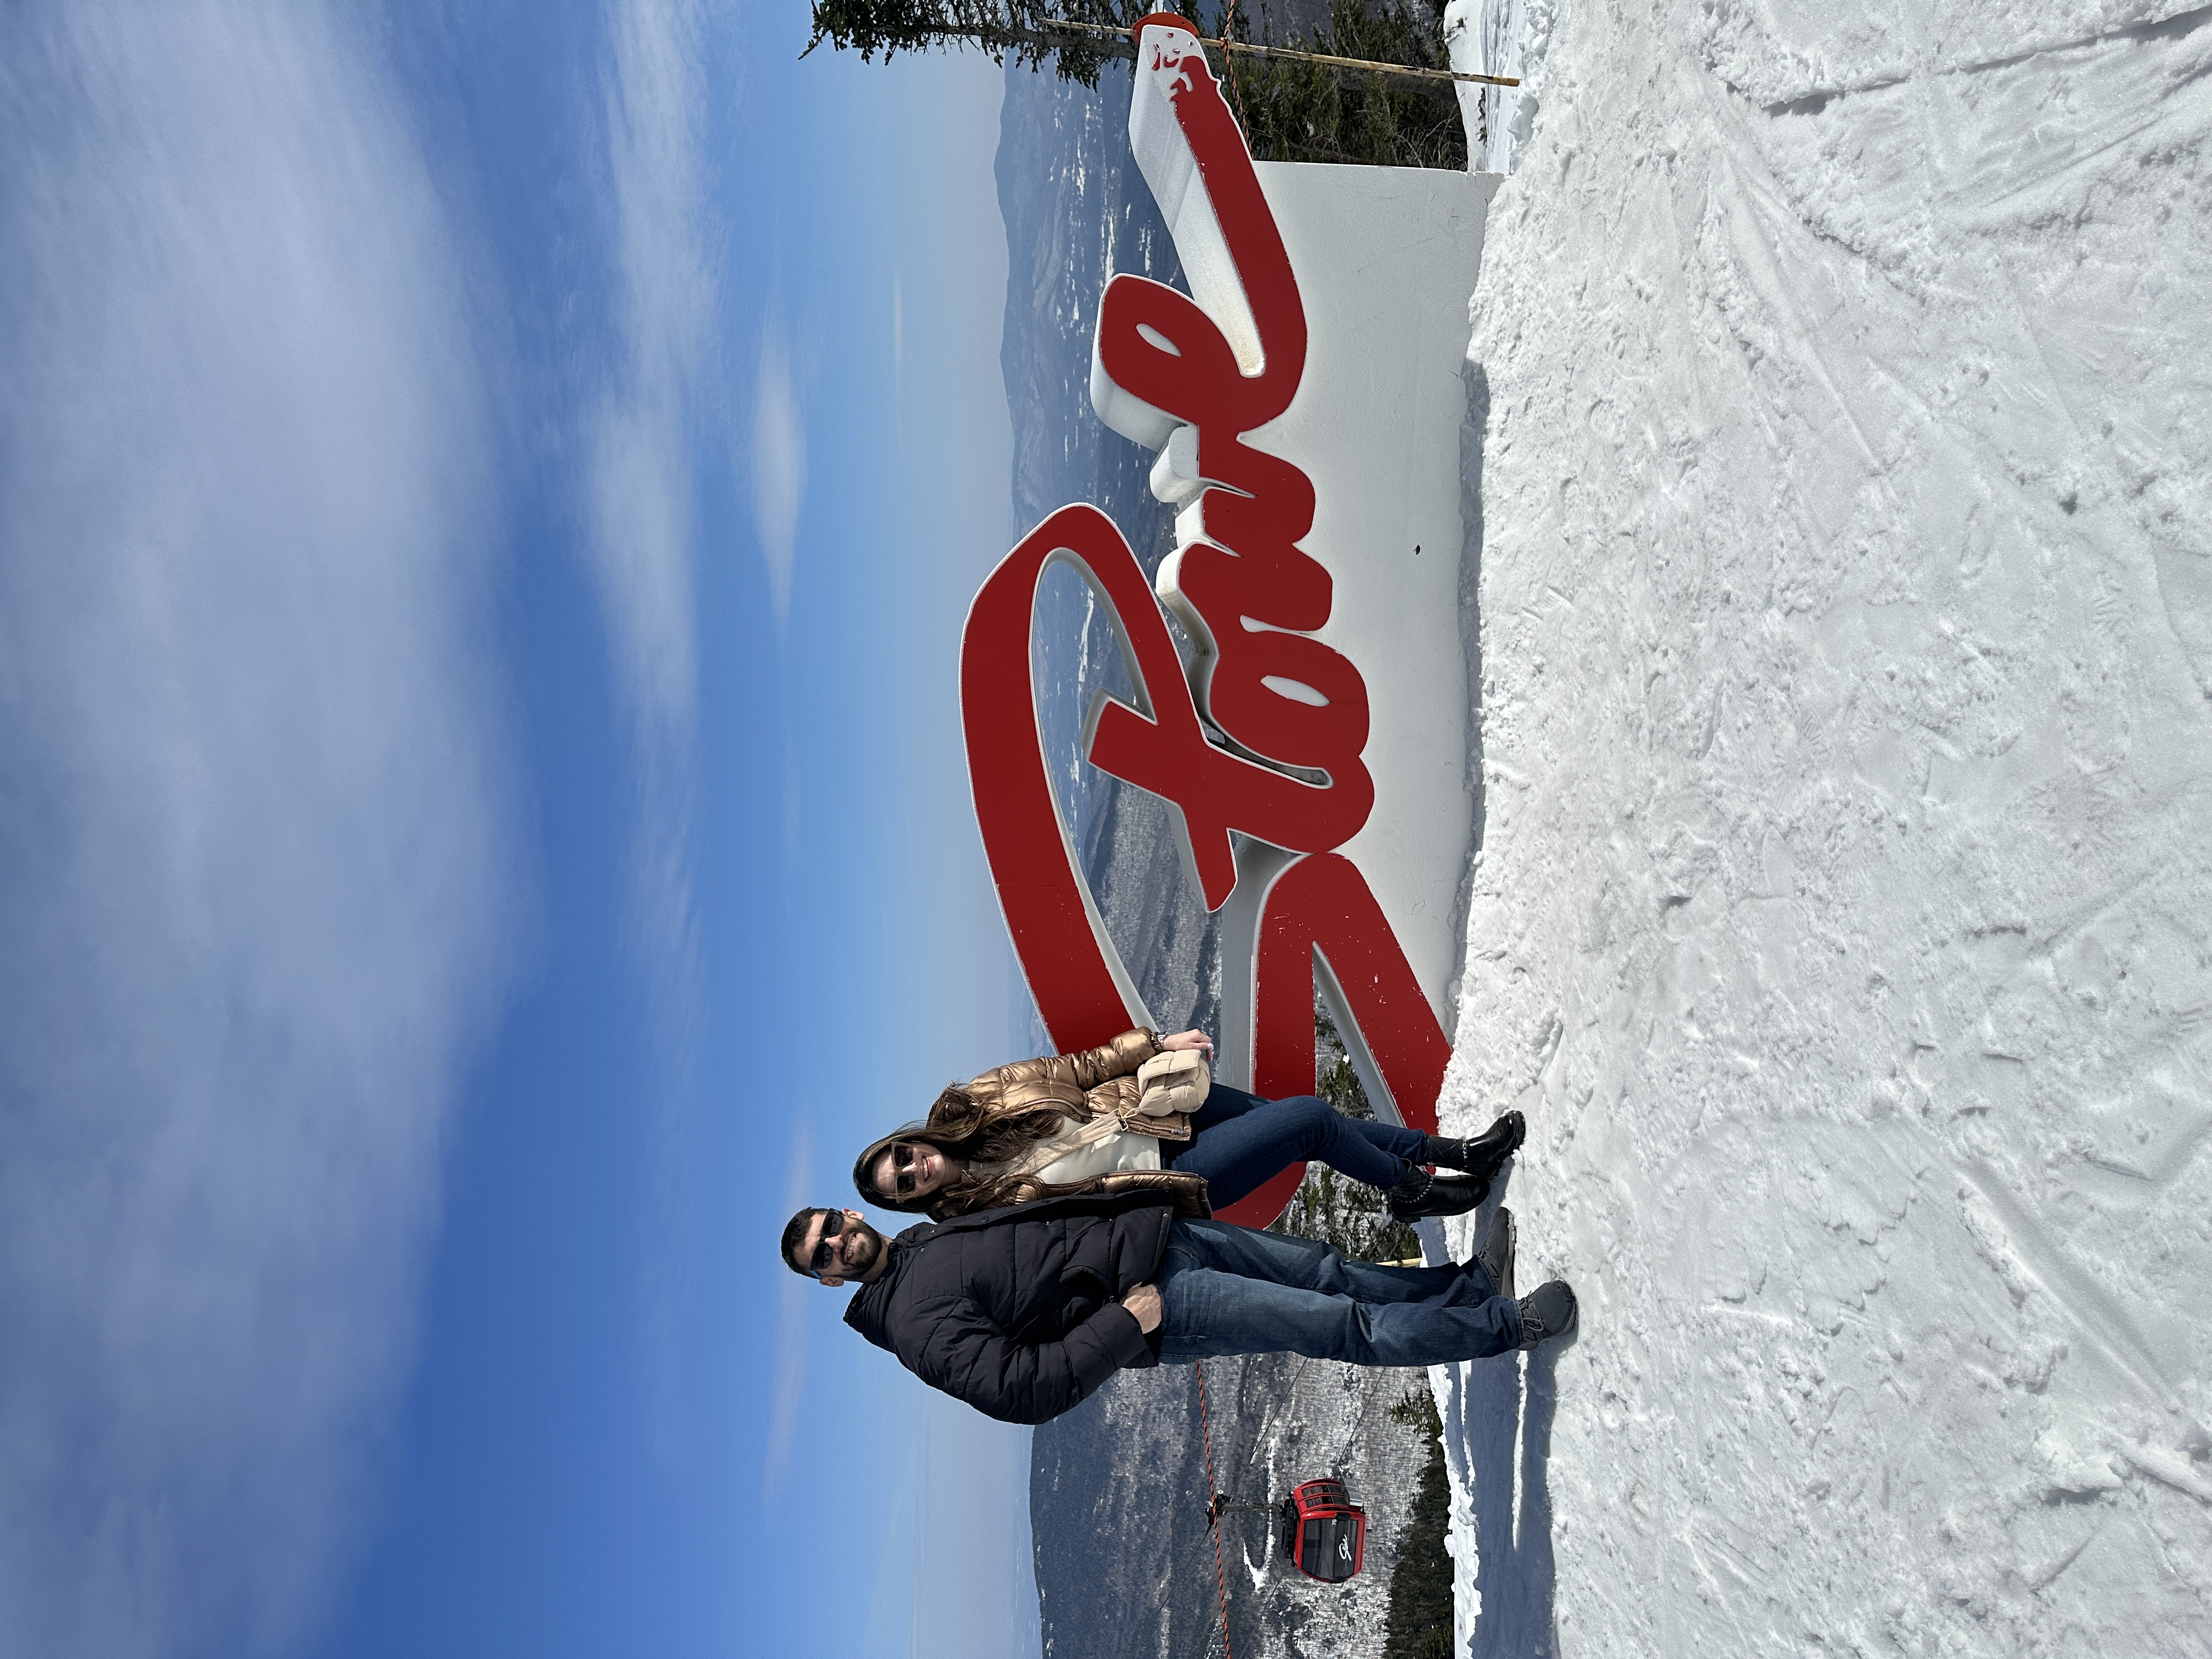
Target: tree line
{"points": [[1292, 109]]}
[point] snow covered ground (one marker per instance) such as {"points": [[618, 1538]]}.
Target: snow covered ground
{"points": [[1843, 917]]}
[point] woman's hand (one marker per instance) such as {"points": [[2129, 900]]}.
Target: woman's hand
{"points": [[1183, 1040]]}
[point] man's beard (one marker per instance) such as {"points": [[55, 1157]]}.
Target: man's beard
{"points": [[870, 1252]]}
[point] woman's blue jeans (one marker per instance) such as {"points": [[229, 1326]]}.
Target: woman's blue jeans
{"points": [[1229, 1290], [1239, 1142]]}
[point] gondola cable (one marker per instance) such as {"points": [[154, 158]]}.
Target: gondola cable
{"points": [[1324, 1532], [1221, 1579]]}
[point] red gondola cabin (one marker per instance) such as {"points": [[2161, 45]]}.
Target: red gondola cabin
{"points": [[1324, 1532]]}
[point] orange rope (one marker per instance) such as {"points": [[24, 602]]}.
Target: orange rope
{"points": [[1221, 1579], [1228, 69]]}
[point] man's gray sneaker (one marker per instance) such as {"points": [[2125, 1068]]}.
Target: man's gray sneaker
{"points": [[1495, 1254], [1545, 1312]]}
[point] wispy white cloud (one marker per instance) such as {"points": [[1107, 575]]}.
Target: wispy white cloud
{"points": [[959, 1591], [643, 478], [790, 1324], [255, 906], [898, 359], [779, 443], [642, 486]]}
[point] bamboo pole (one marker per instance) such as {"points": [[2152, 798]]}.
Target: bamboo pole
{"points": [[1403, 71]]}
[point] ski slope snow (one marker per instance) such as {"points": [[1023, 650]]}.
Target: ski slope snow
{"points": [[1843, 920]]}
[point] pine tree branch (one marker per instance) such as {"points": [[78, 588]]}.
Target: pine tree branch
{"points": [[1110, 42]]}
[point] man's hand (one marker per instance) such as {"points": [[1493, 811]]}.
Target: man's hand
{"points": [[1183, 1040], [1144, 1301]]}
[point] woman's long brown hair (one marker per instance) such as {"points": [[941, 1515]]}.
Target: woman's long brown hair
{"points": [[956, 1126]]}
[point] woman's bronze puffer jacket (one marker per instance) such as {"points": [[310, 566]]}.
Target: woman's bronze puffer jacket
{"points": [[1103, 1078]]}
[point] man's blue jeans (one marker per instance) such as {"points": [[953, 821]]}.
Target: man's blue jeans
{"points": [[1229, 1290], [1240, 1142]]}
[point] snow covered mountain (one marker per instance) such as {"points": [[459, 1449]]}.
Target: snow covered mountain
{"points": [[1117, 1507]]}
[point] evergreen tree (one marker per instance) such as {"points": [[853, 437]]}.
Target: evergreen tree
{"points": [[1291, 110], [1417, 1409], [1354, 1218], [1419, 1624], [1021, 27]]}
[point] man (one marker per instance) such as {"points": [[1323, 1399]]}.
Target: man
{"points": [[1022, 1312]]}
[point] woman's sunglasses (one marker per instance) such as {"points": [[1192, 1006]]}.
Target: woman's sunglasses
{"points": [[906, 1160]]}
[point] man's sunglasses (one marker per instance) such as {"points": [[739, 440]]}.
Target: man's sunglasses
{"points": [[825, 1253]]}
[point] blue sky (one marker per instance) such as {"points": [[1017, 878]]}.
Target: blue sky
{"points": [[488, 497]]}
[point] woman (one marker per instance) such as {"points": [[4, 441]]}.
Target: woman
{"points": [[1070, 1123]]}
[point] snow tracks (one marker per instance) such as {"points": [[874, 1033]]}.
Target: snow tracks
{"points": [[1844, 916]]}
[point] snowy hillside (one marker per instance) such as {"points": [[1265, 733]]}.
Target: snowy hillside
{"points": [[1843, 917], [1125, 1560]]}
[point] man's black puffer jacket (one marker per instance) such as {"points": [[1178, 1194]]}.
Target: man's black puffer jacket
{"points": [[1016, 1310]]}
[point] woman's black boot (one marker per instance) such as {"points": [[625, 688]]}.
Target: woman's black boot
{"points": [[1478, 1155], [1419, 1194]]}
